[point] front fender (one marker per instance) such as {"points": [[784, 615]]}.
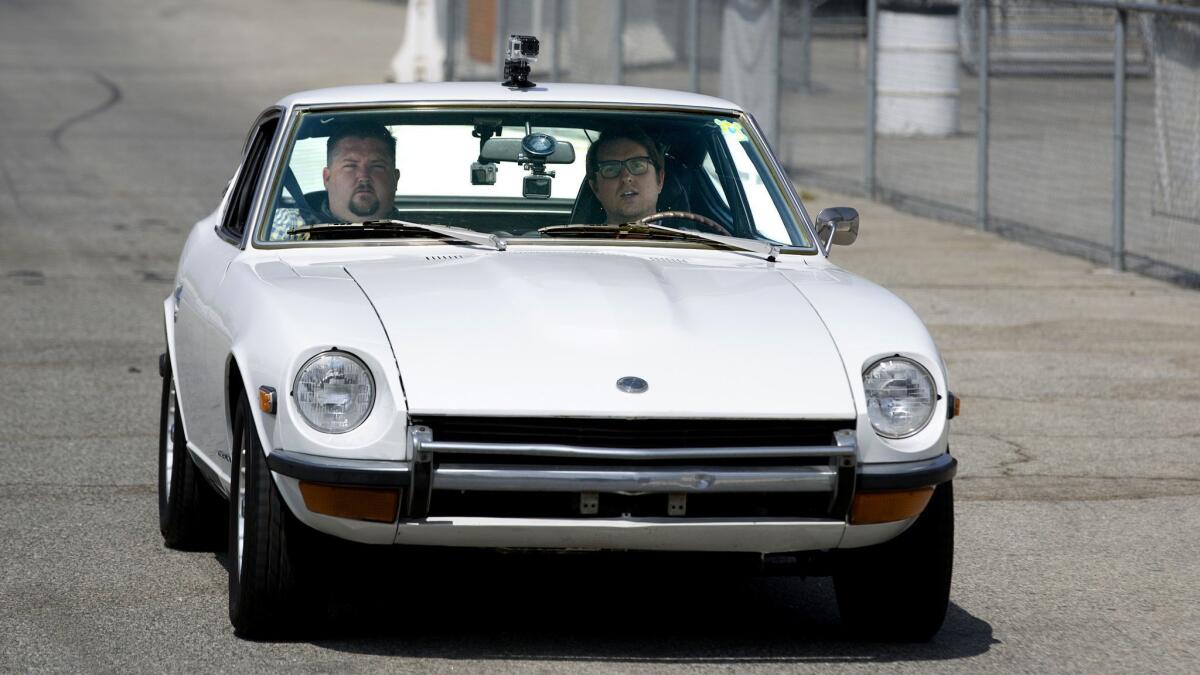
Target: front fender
{"points": [[869, 323], [279, 321]]}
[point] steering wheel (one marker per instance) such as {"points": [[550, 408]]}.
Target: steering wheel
{"points": [[687, 215]]}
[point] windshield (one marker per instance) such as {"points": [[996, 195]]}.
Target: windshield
{"points": [[524, 173]]}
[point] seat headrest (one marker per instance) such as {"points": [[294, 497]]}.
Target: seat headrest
{"points": [[316, 199]]}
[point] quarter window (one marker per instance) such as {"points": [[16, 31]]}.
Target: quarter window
{"points": [[233, 225]]}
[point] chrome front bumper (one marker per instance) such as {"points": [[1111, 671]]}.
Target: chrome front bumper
{"points": [[596, 479], [566, 468], [383, 473], [508, 468], [556, 478], [630, 534]]}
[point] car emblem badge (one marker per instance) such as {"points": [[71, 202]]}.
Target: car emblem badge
{"points": [[632, 385]]}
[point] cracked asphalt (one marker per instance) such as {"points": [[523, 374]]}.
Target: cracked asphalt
{"points": [[1078, 545]]}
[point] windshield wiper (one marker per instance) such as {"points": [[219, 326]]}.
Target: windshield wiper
{"points": [[767, 250], [402, 226]]}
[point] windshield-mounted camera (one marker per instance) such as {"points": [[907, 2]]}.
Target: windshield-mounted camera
{"points": [[521, 51]]}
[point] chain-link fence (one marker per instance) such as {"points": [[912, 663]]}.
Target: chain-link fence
{"points": [[1057, 175], [1029, 146]]}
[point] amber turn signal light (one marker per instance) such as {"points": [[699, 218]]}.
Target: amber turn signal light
{"points": [[378, 505], [886, 506], [266, 400]]}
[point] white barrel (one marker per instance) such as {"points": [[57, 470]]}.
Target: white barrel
{"points": [[917, 74]]}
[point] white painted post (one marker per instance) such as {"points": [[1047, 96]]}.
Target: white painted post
{"points": [[422, 56]]}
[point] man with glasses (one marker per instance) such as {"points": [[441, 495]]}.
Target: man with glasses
{"points": [[625, 171]]}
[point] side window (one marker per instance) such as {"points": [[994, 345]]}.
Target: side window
{"points": [[233, 226]]}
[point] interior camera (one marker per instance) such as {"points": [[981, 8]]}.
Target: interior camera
{"points": [[536, 186], [483, 173]]}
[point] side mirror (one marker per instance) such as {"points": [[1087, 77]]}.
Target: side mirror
{"points": [[837, 225]]}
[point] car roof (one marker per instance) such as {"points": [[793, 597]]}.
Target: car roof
{"points": [[486, 92]]}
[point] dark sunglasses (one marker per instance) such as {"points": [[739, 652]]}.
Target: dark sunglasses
{"points": [[611, 168]]}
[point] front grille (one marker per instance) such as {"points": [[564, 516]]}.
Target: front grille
{"points": [[633, 433], [507, 436]]}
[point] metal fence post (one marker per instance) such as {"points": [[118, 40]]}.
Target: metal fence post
{"points": [[1118, 225], [806, 14], [451, 36], [983, 37], [872, 54], [693, 32], [619, 45], [501, 33], [556, 43], [776, 129]]}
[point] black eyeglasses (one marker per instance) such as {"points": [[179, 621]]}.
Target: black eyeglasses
{"points": [[611, 168]]}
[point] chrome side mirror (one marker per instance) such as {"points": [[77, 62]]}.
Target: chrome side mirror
{"points": [[837, 225]]}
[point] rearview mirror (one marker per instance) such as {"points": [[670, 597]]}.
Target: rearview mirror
{"points": [[837, 225], [510, 150]]}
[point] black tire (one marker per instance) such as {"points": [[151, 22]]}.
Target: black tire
{"points": [[899, 590], [266, 542], [190, 513]]}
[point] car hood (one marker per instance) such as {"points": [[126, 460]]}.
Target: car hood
{"points": [[549, 333]]}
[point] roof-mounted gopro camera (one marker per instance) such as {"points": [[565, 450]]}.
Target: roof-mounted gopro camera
{"points": [[521, 51]]}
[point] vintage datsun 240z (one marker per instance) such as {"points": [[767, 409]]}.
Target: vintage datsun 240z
{"points": [[494, 360]]}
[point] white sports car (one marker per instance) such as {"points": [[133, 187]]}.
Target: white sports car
{"points": [[564, 317]]}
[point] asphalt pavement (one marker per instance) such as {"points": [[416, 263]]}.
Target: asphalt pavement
{"points": [[1078, 544]]}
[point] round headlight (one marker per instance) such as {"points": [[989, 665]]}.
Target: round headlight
{"points": [[900, 397], [334, 392]]}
